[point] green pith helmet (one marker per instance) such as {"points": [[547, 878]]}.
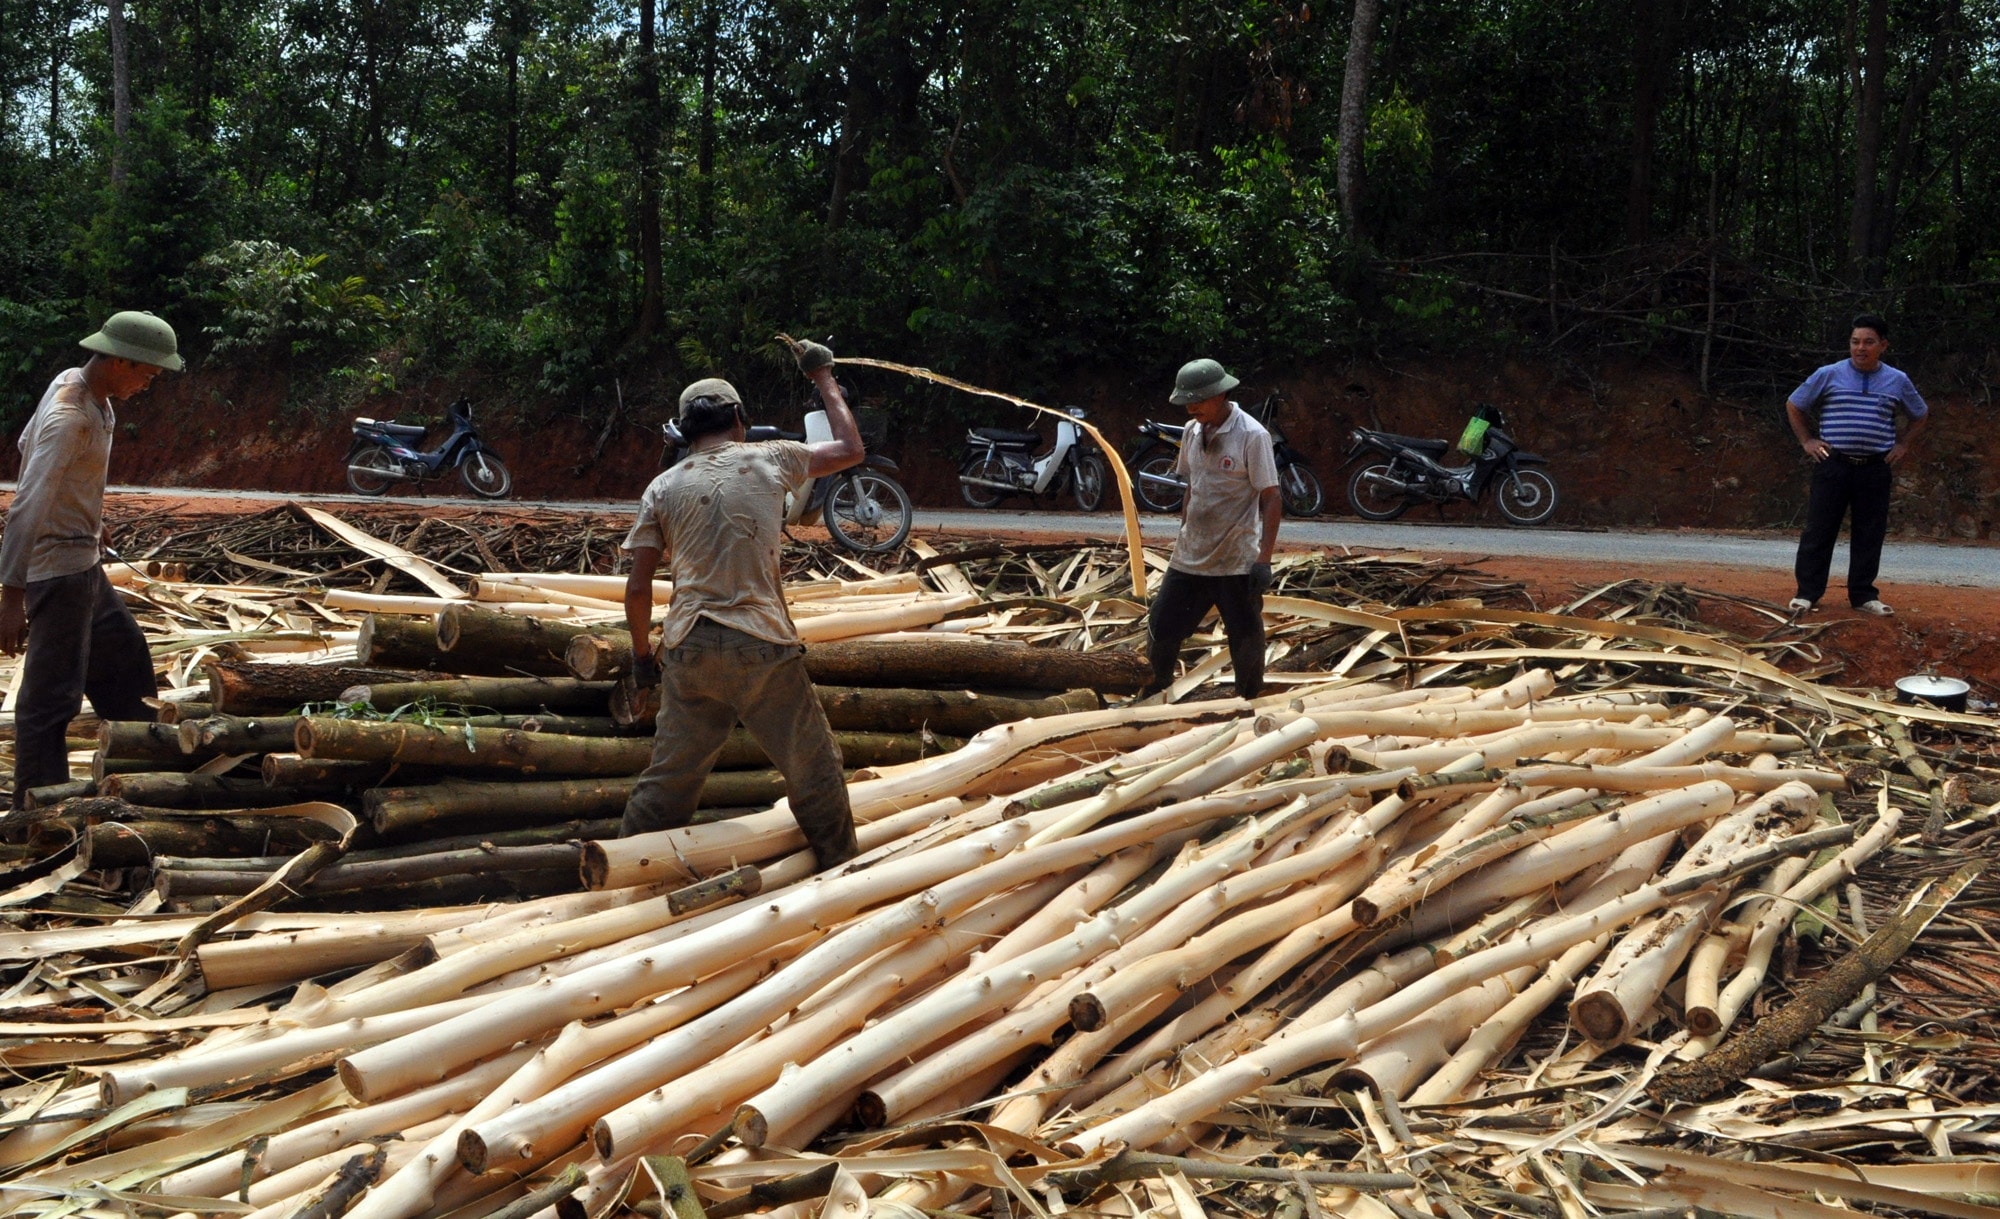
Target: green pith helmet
{"points": [[139, 337], [1200, 380], [711, 387]]}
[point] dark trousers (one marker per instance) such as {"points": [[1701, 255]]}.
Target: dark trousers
{"points": [[81, 640], [1180, 605], [717, 676], [1840, 488]]}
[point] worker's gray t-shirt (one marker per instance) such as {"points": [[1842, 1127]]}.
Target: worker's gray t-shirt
{"points": [[719, 518], [55, 525], [1226, 471]]}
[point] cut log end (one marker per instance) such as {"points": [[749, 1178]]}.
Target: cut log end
{"points": [[1600, 1017], [871, 1112], [1366, 911], [1086, 1012], [596, 869], [752, 1130], [602, 1138], [302, 737], [472, 1152], [1703, 1021]]}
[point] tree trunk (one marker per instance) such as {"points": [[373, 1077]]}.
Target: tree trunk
{"points": [[121, 86], [481, 643], [857, 118], [1916, 103], [1350, 168], [646, 142], [547, 753], [127, 739], [399, 809], [127, 839], [1652, 54], [512, 35], [711, 39], [275, 689], [1868, 138], [505, 695], [56, 33], [230, 734]]}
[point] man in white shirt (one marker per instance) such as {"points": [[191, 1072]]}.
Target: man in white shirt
{"points": [[81, 640], [1229, 526]]}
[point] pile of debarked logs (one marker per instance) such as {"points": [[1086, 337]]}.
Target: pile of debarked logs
{"points": [[478, 749]]}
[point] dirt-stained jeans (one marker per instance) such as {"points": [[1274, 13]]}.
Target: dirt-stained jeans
{"points": [[81, 640], [717, 676]]}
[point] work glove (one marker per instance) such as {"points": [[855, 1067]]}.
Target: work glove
{"points": [[812, 356], [1260, 579], [645, 671]]}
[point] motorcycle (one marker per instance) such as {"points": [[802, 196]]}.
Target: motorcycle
{"points": [[1000, 462], [1413, 473], [863, 507], [1158, 446], [385, 452]]}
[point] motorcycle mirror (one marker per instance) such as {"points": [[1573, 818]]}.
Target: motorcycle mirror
{"points": [[1075, 412]]}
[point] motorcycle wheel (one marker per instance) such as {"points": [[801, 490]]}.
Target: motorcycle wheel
{"points": [[1091, 475], [1527, 497], [485, 476], [1153, 496], [868, 512], [1300, 489], [382, 471], [1372, 501], [988, 466]]}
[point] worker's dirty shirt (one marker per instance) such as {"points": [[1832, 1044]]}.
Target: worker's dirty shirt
{"points": [[718, 517], [55, 525], [1226, 471]]}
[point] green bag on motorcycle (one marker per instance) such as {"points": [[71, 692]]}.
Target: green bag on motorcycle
{"points": [[1472, 441]]}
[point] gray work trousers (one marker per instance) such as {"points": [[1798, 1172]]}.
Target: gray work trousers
{"points": [[81, 640], [715, 677]]}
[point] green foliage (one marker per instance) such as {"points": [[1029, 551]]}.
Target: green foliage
{"points": [[274, 299], [373, 196]]}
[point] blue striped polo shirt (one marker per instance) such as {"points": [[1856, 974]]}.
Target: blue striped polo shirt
{"points": [[1857, 410]]}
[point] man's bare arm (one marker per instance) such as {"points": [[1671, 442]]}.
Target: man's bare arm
{"points": [[845, 449], [1910, 435], [1802, 427], [639, 600], [1271, 506]]}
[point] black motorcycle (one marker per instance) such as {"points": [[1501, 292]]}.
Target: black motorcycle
{"points": [[385, 452], [863, 507], [1000, 462], [1156, 449], [1412, 471]]}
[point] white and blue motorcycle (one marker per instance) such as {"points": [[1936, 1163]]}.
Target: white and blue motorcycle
{"points": [[1000, 462]]}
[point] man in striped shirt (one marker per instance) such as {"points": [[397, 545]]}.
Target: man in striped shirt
{"points": [[1856, 401]]}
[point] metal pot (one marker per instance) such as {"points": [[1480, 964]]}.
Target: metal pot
{"points": [[1945, 693]]}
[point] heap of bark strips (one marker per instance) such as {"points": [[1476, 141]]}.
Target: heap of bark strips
{"points": [[1134, 945]]}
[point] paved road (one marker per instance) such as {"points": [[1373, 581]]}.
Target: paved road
{"points": [[1905, 562]]}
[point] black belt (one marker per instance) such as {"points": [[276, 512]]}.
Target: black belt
{"points": [[1859, 459]]}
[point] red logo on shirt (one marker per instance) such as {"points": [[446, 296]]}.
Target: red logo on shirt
{"points": [[1229, 463]]}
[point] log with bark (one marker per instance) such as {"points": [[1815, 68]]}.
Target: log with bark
{"points": [[942, 663], [275, 689], [397, 810], [548, 753], [478, 642], [174, 789], [503, 695], [399, 641]]}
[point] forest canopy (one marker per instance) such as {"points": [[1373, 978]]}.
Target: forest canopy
{"points": [[552, 193]]}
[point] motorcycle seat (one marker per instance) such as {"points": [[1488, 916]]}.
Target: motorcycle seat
{"points": [[395, 429], [1172, 430], [1435, 448], [761, 432], [1004, 436]]}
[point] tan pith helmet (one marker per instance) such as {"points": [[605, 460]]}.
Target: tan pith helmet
{"points": [[139, 337]]}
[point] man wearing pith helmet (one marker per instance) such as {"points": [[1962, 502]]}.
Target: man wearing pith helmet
{"points": [[53, 593], [1229, 526]]}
